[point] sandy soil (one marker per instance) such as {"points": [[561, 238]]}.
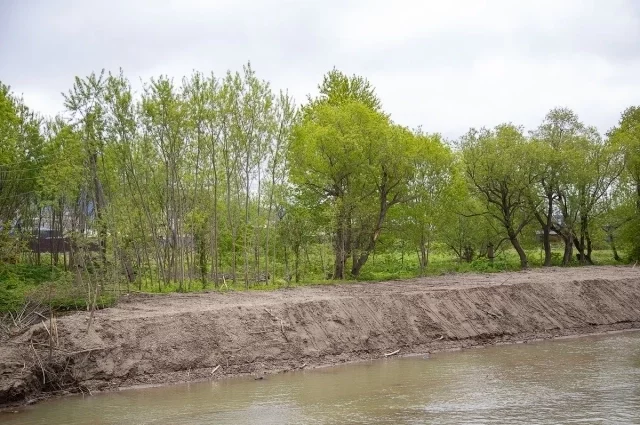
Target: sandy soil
{"points": [[185, 337]]}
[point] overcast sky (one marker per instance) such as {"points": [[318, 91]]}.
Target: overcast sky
{"points": [[445, 65]]}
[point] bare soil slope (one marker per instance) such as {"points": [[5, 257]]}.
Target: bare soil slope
{"points": [[172, 338]]}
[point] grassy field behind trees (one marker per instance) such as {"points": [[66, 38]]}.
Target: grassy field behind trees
{"points": [[221, 182]]}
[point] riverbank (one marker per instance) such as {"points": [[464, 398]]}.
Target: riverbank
{"points": [[149, 340]]}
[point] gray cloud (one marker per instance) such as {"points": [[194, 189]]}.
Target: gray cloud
{"points": [[444, 65]]}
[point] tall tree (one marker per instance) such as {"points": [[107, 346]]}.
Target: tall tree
{"points": [[549, 148], [357, 163], [435, 190], [338, 88], [500, 175], [21, 156], [626, 136]]}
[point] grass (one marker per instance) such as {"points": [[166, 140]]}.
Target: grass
{"points": [[55, 287], [391, 266], [44, 285]]}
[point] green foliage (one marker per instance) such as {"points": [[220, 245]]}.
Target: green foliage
{"points": [[626, 137], [337, 89], [42, 285], [500, 175], [221, 183]]}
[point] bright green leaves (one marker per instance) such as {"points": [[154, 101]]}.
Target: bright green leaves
{"points": [[331, 150], [500, 175], [20, 157], [353, 162], [337, 88], [626, 137], [63, 172]]}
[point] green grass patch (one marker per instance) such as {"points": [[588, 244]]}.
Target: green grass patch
{"points": [[44, 285], [53, 286]]}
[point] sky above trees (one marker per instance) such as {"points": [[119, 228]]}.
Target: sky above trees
{"points": [[443, 65]]}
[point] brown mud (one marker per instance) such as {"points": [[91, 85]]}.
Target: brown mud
{"points": [[149, 340]]}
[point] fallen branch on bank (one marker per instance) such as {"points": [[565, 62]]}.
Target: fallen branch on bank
{"points": [[86, 351], [393, 353], [274, 317], [44, 379], [63, 351]]}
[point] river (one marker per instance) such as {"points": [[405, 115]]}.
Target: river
{"points": [[588, 380]]}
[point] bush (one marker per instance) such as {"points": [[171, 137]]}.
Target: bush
{"points": [[483, 265], [45, 285]]}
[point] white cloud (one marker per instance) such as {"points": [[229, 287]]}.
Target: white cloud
{"points": [[444, 65]]}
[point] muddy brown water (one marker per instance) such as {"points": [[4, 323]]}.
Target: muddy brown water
{"points": [[587, 380]]}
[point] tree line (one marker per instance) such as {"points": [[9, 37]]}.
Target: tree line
{"points": [[214, 179]]}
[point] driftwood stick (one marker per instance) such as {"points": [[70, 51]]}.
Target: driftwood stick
{"points": [[54, 326], [41, 315], [46, 329], [393, 353], [13, 319], [44, 379], [282, 330], [71, 353], [274, 317], [215, 369]]}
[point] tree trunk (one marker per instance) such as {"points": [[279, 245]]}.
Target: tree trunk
{"points": [[426, 258], [616, 257], [384, 207], [61, 239], [568, 249], [99, 206], [546, 224], [287, 277], [340, 253], [214, 237], [589, 248], [546, 242], [38, 255], [245, 238], [296, 253], [610, 238], [524, 262], [581, 244], [423, 253], [54, 238]]}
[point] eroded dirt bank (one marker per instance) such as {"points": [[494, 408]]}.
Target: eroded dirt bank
{"points": [[172, 338]]}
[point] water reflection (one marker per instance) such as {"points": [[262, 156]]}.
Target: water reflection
{"points": [[586, 380]]}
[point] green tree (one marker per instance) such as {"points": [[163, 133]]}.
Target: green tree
{"points": [[549, 149], [338, 88], [435, 191], [626, 136], [355, 161], [21, 157], [500, 175]]}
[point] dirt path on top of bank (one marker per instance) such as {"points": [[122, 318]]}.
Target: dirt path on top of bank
{"points": [[168, 304], [161, 339]]}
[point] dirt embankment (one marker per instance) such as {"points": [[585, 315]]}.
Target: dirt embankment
{"points": [[172, 338]]}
